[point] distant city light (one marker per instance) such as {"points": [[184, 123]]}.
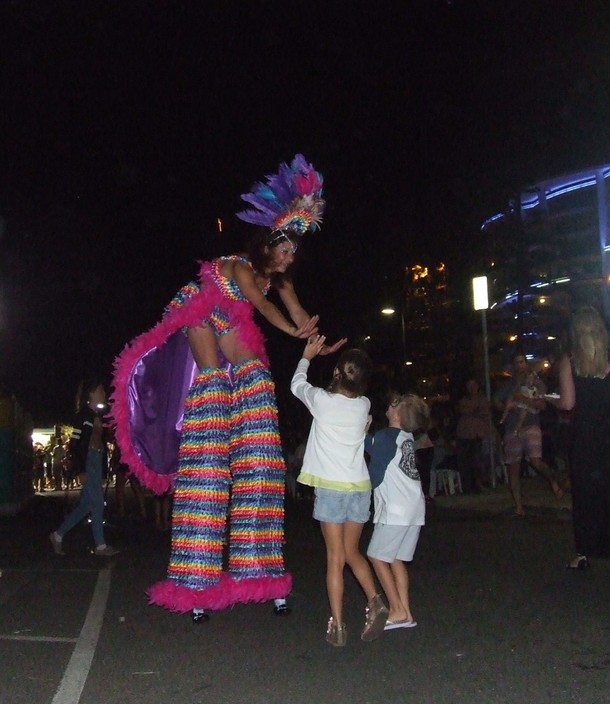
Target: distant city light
{"points": [[551, 337], [542, 299], [512, 338], [219, 223], [419, 272], [388, 311], [40, 437], [408, 363], [367, 338], [493, 218]]}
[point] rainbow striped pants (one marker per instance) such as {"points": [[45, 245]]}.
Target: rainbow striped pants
{"points": [[230, 464]]}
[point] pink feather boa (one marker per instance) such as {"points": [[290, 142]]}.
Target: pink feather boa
{"points": [[227, 592], [191, 313]]}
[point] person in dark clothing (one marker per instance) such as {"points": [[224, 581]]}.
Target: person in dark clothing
{"points": [[88, 451], [584, 385]]}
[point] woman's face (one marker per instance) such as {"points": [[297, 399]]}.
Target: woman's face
{"points": [[281, 256]]}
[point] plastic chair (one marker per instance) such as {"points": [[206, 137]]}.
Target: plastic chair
{"points": [[449, 481]]}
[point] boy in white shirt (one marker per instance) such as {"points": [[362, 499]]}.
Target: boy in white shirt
{"points": [[400, 507]]}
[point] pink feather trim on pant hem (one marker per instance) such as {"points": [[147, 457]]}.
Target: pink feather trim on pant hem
{"points": [[227, 592]]}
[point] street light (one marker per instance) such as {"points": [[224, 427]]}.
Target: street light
{"points": [[389, 311], [481, 302]]}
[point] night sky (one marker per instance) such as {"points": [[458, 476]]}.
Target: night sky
{"points": [[130, 127]]}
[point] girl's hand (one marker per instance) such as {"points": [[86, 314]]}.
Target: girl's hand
{"points": [[307, 329], [329, 350], [313, 346]]}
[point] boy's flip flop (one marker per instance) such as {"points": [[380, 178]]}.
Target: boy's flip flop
{"points": [[405, 623]]}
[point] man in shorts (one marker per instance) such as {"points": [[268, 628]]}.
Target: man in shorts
{"points": [[522, 433]]}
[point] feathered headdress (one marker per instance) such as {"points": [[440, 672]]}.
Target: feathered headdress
{"points": [[291, 200]]}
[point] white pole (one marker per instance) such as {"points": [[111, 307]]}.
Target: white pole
{"points": [[491, 439], [481, 302]]}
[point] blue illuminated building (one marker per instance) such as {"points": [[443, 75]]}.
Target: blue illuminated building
{"points": [[549, 253]]}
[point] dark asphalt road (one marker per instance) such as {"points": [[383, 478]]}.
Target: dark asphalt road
{"points": [[501, 621]]}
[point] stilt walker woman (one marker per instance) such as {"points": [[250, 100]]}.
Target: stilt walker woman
{"points": [[194, 406]]}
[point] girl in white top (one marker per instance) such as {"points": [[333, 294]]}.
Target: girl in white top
{"points": [[334, 464]]}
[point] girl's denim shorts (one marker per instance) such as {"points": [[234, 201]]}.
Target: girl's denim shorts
{"points": [[332, 506]]}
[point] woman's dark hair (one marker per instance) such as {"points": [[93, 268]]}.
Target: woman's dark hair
{"points": [[85, 389], [260, 259], [353, 372]]}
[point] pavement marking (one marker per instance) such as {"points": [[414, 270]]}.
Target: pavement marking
{"points": [[40, 639], [73, 682], [49, 570]]}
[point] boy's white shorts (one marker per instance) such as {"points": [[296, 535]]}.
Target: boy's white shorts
{"points": [[391, 543]]}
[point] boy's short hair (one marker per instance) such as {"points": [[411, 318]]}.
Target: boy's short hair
{"points": [[414, 413], [354, 371]]}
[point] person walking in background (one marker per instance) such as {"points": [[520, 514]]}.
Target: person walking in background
{"points": [[38, 467], [472, 429], [58, 456], [528, 440], [334, 465], [400, 508], [584, 385], [89, 454]]}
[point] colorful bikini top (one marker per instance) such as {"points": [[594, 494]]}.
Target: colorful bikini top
{"points": [[229, 287]]}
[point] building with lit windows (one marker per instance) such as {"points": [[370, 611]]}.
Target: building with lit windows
{"points": [[429, 320], [549, 253]]}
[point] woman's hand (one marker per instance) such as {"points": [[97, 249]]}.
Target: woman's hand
{"points": [[333, 348], [308, 329], [314, 344]]}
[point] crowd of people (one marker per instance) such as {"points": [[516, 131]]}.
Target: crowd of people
{"points": [[54, 470], [52, 466], [483, 443]]}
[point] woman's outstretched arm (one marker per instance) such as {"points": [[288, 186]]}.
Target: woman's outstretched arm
{"points": [[302, 327]]}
